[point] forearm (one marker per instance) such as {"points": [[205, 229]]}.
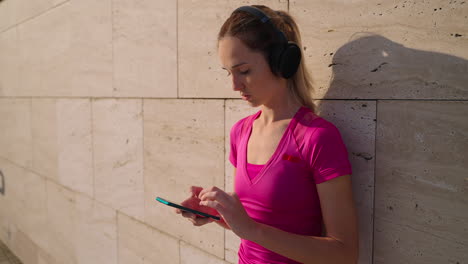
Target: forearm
{"points": [[222, 224], [306, 249]]}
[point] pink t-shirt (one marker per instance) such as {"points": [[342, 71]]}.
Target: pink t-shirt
{"points": [[284, 194]]}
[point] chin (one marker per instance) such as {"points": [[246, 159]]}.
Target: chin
{"points": [[254, 104]]}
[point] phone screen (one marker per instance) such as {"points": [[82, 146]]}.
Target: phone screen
{"points": [[166, 202]]}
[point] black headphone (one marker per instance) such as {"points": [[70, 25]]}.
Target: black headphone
{"points": [[285, 57]]}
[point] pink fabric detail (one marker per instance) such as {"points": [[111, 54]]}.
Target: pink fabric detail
{"points": [[284, 193], [253, 170]]}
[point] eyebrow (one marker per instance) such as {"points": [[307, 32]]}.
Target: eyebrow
{"points": [[237, 65]]}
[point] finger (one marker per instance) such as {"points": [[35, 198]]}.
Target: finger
{"points": [[214, 205], [188, 215], [219, 196], [202, 221], [204, 191], [195, 190]]}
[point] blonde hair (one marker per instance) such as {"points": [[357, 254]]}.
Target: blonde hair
{"points": [[260, 37]]}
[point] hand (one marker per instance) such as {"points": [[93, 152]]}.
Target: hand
{"points": [[231, 210], [194, 202]]}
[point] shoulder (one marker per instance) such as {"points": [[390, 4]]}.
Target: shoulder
{"points": [[317, 130], [237, 127], [311, 124]]}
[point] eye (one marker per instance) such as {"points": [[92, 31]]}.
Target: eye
{"points": [[244, 72]]}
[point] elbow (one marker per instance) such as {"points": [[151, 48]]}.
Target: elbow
{"points": [[350, 254]]}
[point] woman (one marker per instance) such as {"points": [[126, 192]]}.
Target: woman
{"points": [[291, 167]]}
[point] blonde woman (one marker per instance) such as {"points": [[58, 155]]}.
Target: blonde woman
{"points": [[291, 166]]}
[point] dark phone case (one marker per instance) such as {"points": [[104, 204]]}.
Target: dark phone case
{"points": [[161, 200]]}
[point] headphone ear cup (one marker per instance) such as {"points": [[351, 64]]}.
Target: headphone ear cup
{"points": [[276, 52], [289, 60]]}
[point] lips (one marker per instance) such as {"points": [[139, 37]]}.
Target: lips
{"points": [[245, 97]]}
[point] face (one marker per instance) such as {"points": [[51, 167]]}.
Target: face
{"points": [[248, 71]]}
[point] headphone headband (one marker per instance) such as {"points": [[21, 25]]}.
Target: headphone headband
{"points": [[264, 18], [285, 57]]}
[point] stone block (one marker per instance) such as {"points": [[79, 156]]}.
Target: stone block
{"points": [[62, 142], [44, 126], [67, 51], [183, 146], [9, 64], [145, 48], [61, 218], [75, 163], [15, 134], [80, 229], [96, 232], [141, 244], [190, 254], [377, 49], [118, 154], [421, 184]]}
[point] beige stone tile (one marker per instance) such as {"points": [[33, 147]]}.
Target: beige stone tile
{"points": [[399, 242], [421, 183], [7, 14], [44, 125], [356, 121], [234, 111], [15, 12], [190, 254], [67, 51], [96, 232], [23, 247], [9, 66], [184, 146], [62, 142], [142, 244], [26, 9], [145, 48], [31, 203], [45, 258], [200, 73], [118, 154], [8, 201], [15, 135], [62, 220], [75, 161], [382, 49], [80, 229]]}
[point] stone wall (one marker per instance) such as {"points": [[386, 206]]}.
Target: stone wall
{"points": [[106, 104]]}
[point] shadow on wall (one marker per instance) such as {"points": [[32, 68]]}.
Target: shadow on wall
{"points": [[374, 67]]}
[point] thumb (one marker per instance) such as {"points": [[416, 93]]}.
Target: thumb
{"points": [[235, 196]]}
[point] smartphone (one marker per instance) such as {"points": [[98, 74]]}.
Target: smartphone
{"points": [[166, 202]]}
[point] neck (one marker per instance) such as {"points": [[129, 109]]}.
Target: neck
{"points": [[283, 106]]}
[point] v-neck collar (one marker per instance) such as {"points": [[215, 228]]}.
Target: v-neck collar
{"points": [[279, 148]]}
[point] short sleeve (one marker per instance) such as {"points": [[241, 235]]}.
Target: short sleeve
{"points": [[326, 153], [234, 137]]}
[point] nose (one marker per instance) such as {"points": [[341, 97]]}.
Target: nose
{"points": [[236, 83]]}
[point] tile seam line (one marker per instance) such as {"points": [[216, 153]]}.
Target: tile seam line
{"points": [[221, 98], [177, 49], [16, 24], [375, 179]]}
